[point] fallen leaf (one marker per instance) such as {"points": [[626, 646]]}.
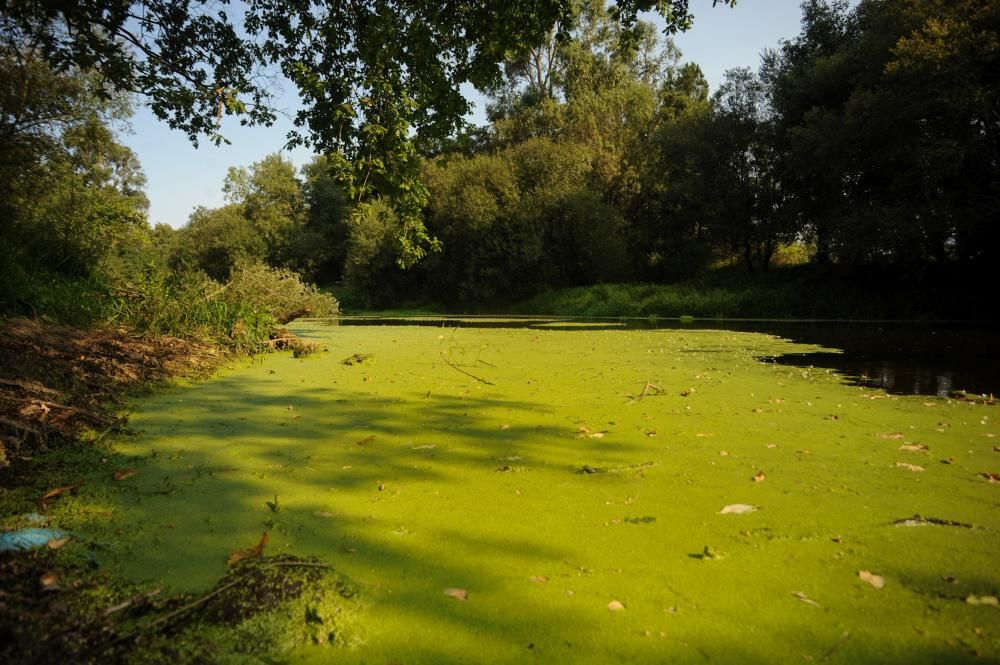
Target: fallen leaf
{"points": [[426, 446], [459, 594], [703, 434], [910, 467], [982, 600], [323, 514], [596, 435], [505, 426], [876, 581], [898, 436], [991, 477], [996, 449], [122, 474], [806, 599], [365, 441], [273, 505], [539, 578], [255, 551], [53, 493], [616, 606], [759, 476], [772, 445], [49, 582], [737, 509], [723, 453], [915, 447], [56, 543]]}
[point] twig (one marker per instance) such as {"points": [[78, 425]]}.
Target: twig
{"points": [[645, 390], [29, 386], [843, 638], [459, 369], [296, 564], [195, 603], [128, 602], [21, 427]]}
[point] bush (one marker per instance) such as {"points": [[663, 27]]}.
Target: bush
{"points": [[278, 291]]}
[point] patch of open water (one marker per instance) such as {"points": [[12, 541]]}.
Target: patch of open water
{"points": [[900, 357]]}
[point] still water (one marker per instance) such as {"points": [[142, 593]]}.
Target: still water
{"points": [[900, 357]]}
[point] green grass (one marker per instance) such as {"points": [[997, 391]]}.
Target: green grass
{"points": [[802, 291], [554, 490], [794, 292]]}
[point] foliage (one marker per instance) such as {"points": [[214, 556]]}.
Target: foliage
{"points": [[215, 241], [278, 291], [889, 115]]}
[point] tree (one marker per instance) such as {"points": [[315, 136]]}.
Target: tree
{"points": [[216, 241], [269, 195], [749, 214], [367, 72], [888, 118], [69, 192]]}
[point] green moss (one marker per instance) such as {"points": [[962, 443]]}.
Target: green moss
{"points": [[389, 473]]}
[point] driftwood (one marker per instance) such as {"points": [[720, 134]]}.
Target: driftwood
{"points": [[294, 314]]}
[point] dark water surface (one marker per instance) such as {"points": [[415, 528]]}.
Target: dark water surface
{"points": [[901, 357]]}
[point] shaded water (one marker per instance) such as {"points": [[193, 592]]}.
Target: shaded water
{"points": [[902, 358]]}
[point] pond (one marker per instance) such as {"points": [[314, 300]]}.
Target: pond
{"points": [[580, 491], [901, 357]]}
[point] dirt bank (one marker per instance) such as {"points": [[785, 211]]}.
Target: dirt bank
{"points": [[57, 382]]}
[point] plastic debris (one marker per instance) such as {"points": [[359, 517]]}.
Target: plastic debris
{"points": [[27, 539]]}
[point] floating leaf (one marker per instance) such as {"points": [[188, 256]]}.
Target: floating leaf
{"points": [[982, 600], [876, 581], [915, 447], [56, 543], [910, 467], [806, 599], [616, 606], [759, 476], [49, 582], [122, 474], [458, 594], [737, 509], [53, 493], [252, 553]]}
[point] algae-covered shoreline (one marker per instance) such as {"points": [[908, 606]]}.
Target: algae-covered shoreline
{"points": [[561, 499]]}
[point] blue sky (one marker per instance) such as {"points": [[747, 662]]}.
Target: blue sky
{"points": [[181, 177]]}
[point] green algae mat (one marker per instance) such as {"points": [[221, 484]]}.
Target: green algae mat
{"points": [[555, 495]]}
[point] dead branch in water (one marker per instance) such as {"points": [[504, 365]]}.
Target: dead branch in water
{"points": [[459, 369], [645, 391]]}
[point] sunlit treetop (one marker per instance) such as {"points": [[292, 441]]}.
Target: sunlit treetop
{"points": [[359, 66]]}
